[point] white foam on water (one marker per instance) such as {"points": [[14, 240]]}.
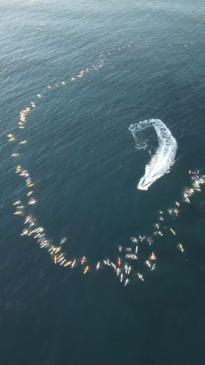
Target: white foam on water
{"points": [[164, 156]]}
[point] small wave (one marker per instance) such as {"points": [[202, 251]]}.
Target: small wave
{"points": [[164, 156]]}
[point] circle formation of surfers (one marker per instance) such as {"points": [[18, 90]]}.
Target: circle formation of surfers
{"points": [[130, 263]]}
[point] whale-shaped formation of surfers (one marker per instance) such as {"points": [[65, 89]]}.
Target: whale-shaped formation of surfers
{"points": [[164, 156]]}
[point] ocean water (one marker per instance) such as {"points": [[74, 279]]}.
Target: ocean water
{"points": [[145, 59]]}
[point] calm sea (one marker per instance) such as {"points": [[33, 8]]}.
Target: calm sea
{"points": [[85, 167]]}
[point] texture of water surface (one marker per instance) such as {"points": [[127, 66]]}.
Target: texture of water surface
{"points": [[81, 156]]}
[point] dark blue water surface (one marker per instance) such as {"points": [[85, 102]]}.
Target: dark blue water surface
{"points": [[82, 158]]}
